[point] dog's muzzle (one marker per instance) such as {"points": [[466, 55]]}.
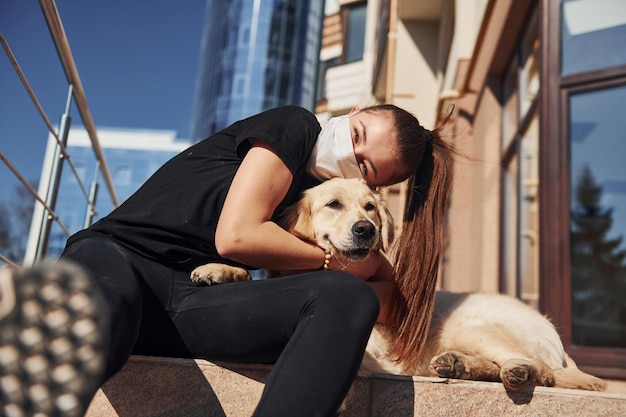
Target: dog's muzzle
{"points": [[364, 235], [363, 231]]}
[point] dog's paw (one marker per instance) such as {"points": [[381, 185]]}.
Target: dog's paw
{"points": [[211, 274], [521, 373], [449, 365]]}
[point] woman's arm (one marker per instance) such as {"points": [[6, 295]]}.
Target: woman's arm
{"points": [[245, 232]]}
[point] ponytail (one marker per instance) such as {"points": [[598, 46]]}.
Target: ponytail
{"points": [[419, 249]]}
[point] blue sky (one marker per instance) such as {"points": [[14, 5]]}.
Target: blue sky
{"points": [[137, 61]]}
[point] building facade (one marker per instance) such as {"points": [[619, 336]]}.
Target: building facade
{"points": [[132, 156], [255, 55], [536, 90]]}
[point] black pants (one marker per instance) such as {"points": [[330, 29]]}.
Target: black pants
{"points": [[314, 327]]}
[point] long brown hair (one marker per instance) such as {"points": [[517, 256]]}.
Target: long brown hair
{"points": [[428, 159]]}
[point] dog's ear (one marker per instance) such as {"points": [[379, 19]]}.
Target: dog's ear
{"points": [[387, 232], [298, 219]]}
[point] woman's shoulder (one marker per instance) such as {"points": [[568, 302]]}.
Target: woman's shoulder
{"points": [[290, 111], [279, 121]]}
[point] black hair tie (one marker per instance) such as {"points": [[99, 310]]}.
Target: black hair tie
{"points": [[428, 135]]}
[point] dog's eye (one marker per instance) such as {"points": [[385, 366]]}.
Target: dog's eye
{"points": [[370, 207], [335, 204]]}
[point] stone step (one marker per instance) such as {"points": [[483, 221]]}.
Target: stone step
{"points": [[170, 387]]}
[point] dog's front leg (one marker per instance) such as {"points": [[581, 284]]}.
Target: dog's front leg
{"points": [[214, 273]]}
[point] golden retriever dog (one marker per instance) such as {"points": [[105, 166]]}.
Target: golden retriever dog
{"points": [[487, 337], [343, 216], [476, 336]]}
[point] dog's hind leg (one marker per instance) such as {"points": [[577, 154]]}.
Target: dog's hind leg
{"points": [[458, 365], [572, 377], [515, 373], [500, 355], [518, 373]]}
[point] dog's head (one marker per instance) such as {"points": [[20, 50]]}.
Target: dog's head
{"points": [[343, 215]]}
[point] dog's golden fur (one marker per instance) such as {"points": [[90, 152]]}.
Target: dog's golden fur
{"points": [[330, 214], [487, 337], [476, 336]]}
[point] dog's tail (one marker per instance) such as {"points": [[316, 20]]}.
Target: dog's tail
{"points": [[572, 377]]}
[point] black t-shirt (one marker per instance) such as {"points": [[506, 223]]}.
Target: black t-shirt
{"points": [[173, 216]]}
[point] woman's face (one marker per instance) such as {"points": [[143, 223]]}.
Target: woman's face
{"points": [[375, 147]]}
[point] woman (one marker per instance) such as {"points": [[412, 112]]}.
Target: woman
{"points": [[217, 202]]}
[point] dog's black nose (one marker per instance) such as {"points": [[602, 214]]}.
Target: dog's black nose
{"points": [[363, 230]]}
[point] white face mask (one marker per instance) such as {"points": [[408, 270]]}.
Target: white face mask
{"points": [[333, 153]]}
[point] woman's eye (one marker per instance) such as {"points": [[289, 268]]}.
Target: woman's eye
{"points": [[363, 168], [356, 136]]}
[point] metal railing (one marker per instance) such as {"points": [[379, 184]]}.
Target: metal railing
{"points": [[77, 95]]}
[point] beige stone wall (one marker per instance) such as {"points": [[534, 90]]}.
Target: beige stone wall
{"points": [[471, 261]]}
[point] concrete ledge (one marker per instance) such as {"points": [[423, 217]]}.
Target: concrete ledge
{"points": [[151, 387]]}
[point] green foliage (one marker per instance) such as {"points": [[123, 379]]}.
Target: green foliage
{"points": [[598, 269]]}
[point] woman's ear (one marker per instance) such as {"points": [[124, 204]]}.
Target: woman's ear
{"points": [[354, 110]]}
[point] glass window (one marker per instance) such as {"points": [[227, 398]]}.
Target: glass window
{"points": [[510, 105], [355, 33], [81, 172], [321, 86], [520, 257], [244, 37], [239, 85], [529, 66], [593, 35], [529, 215], [520, 146], [598, 217], [284, 87], [510, 231], [123, 175]]}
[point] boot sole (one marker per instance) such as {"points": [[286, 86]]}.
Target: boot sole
{"points": [[52, 345]]}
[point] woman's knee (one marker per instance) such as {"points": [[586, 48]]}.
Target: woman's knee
{"points": [[348, 295]]}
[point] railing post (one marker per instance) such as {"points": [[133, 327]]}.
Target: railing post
{"points": [[55, 180], [93, 195]]}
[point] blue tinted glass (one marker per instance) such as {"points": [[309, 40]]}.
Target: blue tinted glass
{"points": [[593, 35], [598, 217], [356, 33], [130, 168]]}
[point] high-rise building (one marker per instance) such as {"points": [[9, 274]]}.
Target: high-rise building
{"points": [[132, 156], [255, 55]]}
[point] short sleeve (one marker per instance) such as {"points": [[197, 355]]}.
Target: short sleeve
{"points": [[291, 131]]}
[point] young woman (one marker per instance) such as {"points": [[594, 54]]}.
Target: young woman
{"points": [[217, 202]]}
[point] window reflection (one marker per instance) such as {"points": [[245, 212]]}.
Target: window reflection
{"points": [[593, 34], [598, 217], [355, 33]]}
